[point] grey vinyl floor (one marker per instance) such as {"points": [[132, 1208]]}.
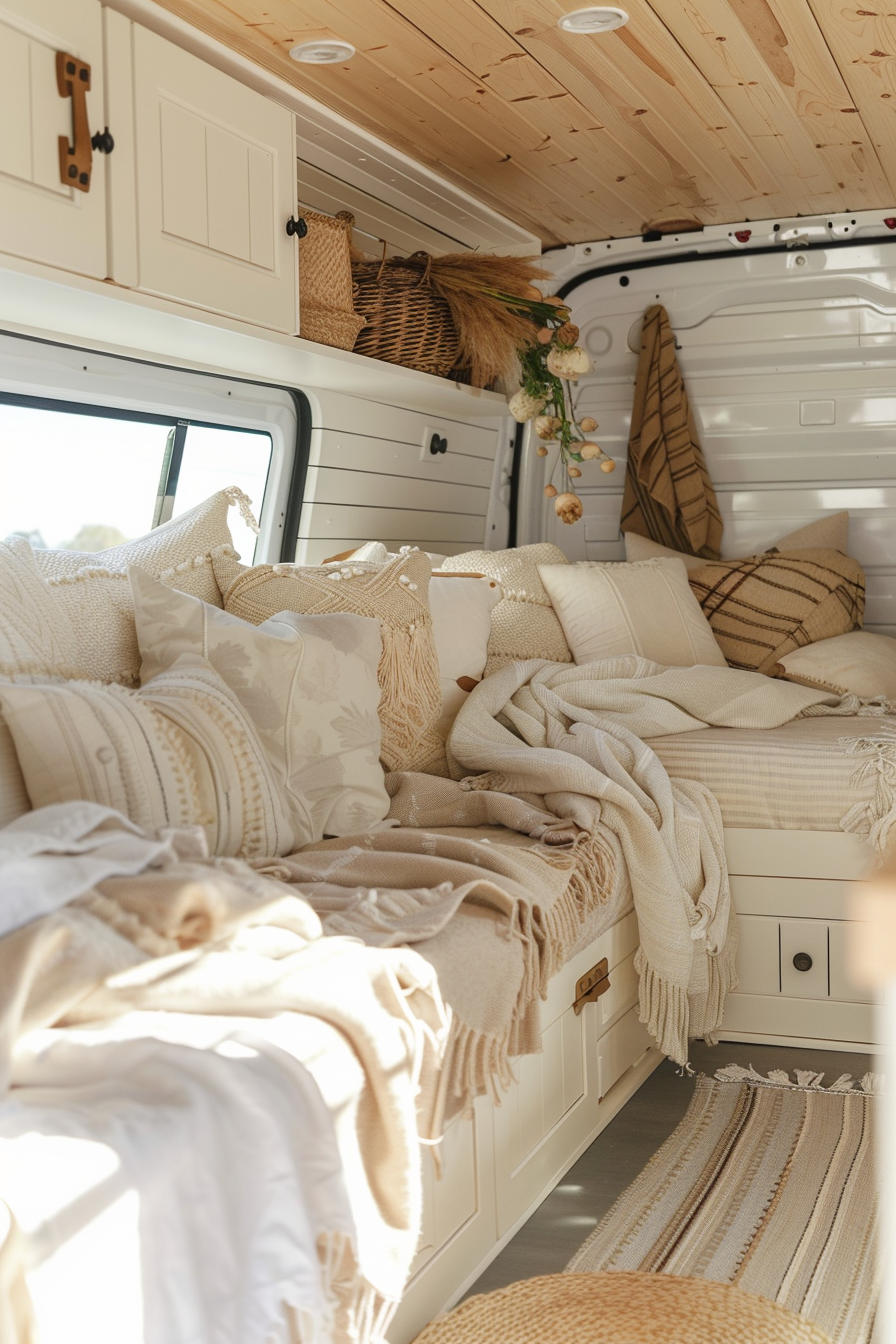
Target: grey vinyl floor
{"points": [[546, 1243]]}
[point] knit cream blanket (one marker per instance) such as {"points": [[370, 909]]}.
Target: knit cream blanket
{"points": [[568, 739]]}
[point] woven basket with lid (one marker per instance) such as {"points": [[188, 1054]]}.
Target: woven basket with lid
{"points": [[407, 322], [326, 290]]}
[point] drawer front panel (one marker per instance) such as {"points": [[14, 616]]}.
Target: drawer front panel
{"points": [[804, 959]]}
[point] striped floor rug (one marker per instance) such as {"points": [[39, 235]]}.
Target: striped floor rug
{"points": [[767, 1184]]}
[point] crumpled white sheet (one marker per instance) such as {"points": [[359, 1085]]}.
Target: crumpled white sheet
{"points": [[184, 1163]]}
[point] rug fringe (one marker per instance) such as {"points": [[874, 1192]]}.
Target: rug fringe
{"points": [[806, 1080]]}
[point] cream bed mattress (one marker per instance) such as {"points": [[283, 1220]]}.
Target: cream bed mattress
{"points": [[800, 776]]}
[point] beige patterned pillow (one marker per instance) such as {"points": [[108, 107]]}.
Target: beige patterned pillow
{"points": [[91, 591], [763, 607], [394, 593], [859, 662], [828, 533], [308, 683], [524, 624]]}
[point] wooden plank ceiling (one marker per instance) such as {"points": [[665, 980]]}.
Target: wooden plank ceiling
{"points": [[713, 110]]}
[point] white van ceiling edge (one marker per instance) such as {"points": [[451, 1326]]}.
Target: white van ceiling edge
{"points": [[568, 263], [365, 161]]}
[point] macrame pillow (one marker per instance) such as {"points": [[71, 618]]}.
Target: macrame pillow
{"points": [[396, 594], [765, 606], [91, 591], [524, 624]]}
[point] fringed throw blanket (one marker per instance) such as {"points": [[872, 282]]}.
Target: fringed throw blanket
{"points": [[568, 739], [177, 1016], [668, 493], [495, 921]]}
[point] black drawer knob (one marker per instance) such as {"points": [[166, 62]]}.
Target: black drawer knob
{"points": [[438, 445], [296, 226], [102, 142], [802, 961]]}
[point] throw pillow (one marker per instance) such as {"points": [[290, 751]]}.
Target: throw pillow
{"points": [[461, 607], [92, 591], [308, 684], [762, 608], [524, 624], [179, 752], [830, 533], [37, 640], [396, 594], [859, 662], [646, 608]]}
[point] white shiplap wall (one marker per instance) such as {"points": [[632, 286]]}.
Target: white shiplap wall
{"points": [[371, 477], [790, 364]]}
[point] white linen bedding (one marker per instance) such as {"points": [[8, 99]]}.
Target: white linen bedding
{"points": [[209, 1106], [799, 776]]}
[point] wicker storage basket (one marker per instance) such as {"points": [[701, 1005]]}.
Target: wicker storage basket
{"points": [[407, 323], [326, 289]]}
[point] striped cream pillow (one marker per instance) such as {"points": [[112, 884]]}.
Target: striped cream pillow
{"points": [[763, 607]]}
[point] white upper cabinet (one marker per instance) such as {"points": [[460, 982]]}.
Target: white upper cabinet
{"points": [[42, 217], [214, 165]]}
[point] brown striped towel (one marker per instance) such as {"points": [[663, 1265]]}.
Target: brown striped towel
{"points": [[668, 494], [763, 607]]}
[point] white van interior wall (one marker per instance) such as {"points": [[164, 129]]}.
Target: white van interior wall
{"points": [[372, 476], [789, 362]]}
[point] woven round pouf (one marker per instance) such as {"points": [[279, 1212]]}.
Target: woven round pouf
{"points": [[620, 1308]]}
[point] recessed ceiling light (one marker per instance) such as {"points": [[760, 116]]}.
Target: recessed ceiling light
{"points": [[594, 19], [325, 51]]}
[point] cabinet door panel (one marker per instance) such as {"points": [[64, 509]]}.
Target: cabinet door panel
{"points": [[41, 218], [215, 167]]}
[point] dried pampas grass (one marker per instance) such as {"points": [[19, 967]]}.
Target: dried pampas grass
{"points": [[493, 304]]}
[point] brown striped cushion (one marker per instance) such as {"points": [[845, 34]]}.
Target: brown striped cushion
{"points": [[764, 606]]}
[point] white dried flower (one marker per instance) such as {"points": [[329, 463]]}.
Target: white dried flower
{"points": [[589, 451], [525, 407], [569, 363]]}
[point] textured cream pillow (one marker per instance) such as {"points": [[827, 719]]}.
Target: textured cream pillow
{"points": [[37, 640], [394, 593], [524, 624], [764, 606], [461, 607], [179, 752], [830, 533], [858, 662], [308, 684], [645, 608], [92, 591]]}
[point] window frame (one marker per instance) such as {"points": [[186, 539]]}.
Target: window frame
{"points": [[66, 378]]}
